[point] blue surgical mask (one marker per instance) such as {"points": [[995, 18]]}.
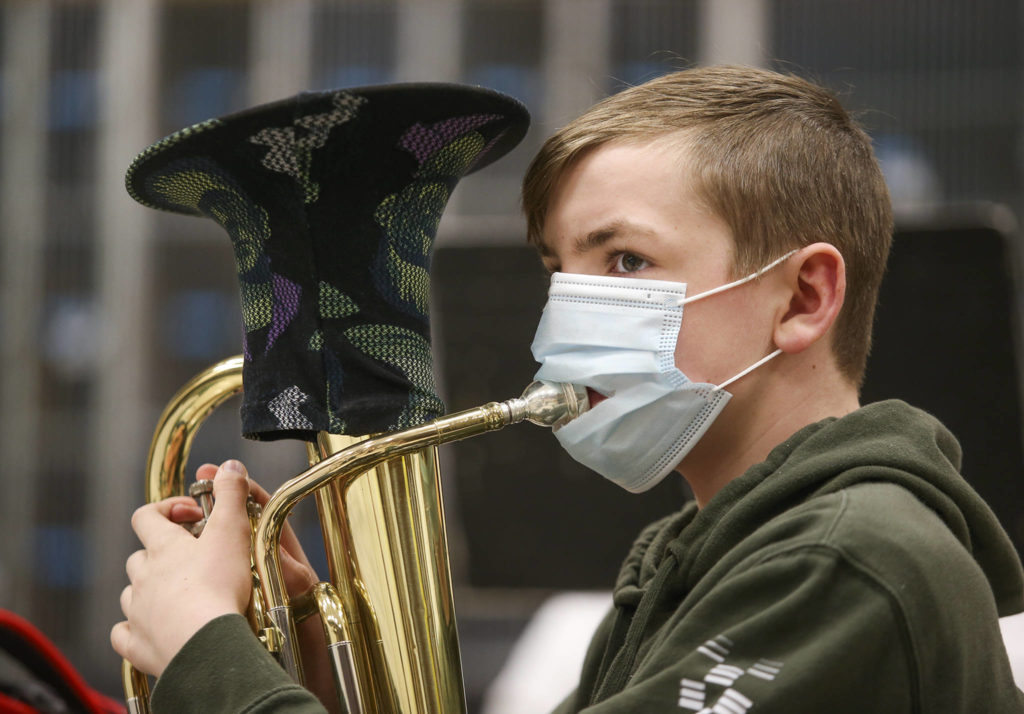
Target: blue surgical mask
{"points": [[618, 336]]}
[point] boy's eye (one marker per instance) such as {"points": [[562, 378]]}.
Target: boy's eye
{"points": [[629, 263]]}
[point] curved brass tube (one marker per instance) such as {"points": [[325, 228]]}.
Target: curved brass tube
{"points": [[165, 467], [341, 469], [401, 459], [181, 419], [339, 645], [544, 403], [136, 688]]}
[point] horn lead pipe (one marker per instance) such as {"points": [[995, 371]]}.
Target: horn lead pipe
{"points": [[543, 403]]}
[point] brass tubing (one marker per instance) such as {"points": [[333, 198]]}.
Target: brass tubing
{"points": [[342, 468], [340, 547], [136, 689], [405, 483], [172, 442], [339, 646], [346, 465], [390, 541], [165, 467]]}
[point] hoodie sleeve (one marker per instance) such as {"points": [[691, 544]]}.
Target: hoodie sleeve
{"points": [[223, 668], [805, 631]]}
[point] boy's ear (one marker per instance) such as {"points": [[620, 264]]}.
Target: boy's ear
{"points": [[816, 282]]}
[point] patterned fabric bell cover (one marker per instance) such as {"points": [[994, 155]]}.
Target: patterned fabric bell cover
{"points": [[332, 202]]}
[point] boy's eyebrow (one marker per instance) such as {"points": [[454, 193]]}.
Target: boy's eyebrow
{"points": [[602, 235], [599, 237]]}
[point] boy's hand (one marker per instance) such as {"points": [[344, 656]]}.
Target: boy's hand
{"points": [[179, 582], [299, 575]]}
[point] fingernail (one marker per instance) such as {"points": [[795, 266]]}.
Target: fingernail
{"points": [[233, 465]]}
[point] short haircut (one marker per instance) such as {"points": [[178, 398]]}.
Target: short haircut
{"points": [[775, 156]]}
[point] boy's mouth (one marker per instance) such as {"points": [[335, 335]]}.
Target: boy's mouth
{"points": [[594, 397]]}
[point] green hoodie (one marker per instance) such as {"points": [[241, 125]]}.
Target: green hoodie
{"points": [[854, 570]]}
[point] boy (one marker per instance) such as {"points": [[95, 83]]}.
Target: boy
{"points": [[834, 559], [728, 228]]}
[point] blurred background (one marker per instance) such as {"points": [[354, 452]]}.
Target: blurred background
{"points": [[107, 308]]}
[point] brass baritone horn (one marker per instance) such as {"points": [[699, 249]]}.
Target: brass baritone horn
{"points": [[332, 201], [387, 613]]}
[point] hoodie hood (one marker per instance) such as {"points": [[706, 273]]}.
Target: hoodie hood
{"points": [[888, 442]]}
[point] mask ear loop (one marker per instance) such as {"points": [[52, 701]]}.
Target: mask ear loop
{"points": [[747, 371], [721, 288], [734, 283]]}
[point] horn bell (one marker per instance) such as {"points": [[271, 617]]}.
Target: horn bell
{"points": [[332, 201]]}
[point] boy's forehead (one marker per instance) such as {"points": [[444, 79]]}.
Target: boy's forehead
{"points": [[619, 189]]}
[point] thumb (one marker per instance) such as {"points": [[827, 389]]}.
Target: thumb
{"points": [[229, 518]]}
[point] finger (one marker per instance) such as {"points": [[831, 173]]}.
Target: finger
{"points": [[126, 599], [291, 547], [133, 566], [189, 512], [173, 501], [259, 494], [299, 576], [152, 523], [120, 636], [206, 472], [231, 481], [289, 541], [229, 521]]}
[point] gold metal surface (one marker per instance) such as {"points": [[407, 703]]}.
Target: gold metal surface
{"points": [[181, 419], [136, 688], [338, 636], [380, 499], [165, 468], [388, 612], [395, 551], [332, 613], [384, 538]]}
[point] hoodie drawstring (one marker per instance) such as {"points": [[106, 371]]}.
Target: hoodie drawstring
{"points": [[627, 635]]}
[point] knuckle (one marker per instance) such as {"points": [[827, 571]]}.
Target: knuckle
{"points": [[134, 560], [137, 516], [119, 636]]}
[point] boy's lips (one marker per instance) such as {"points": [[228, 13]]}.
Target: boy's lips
{"points": [[594, 397]]}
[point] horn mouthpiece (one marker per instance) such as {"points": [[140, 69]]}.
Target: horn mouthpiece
{"points": [[551, 404]]}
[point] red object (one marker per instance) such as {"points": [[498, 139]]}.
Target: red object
{"points": [[38, 655]]}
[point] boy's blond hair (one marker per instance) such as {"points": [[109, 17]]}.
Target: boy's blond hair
{"points": [[775, 156]]}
